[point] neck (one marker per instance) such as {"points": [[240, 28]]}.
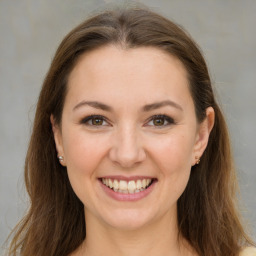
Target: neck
{"points": [[158, 238]]}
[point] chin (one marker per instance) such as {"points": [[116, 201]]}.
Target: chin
{"points": [[128, 220]]}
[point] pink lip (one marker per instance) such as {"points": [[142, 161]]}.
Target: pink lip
{"points": [[127, 197]]}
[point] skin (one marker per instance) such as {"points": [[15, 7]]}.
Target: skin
{"points": [[129, 143]]}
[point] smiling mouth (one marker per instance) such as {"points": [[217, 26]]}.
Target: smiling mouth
{"points": [[127, 187]]}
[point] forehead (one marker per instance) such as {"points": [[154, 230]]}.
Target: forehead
{"points": [[143, 72], [113, 56]]}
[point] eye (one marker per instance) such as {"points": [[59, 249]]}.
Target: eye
{"points": [[160, 121], [94, 120]]}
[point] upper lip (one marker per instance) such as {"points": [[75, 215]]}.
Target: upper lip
{"points": [[120, 177]]}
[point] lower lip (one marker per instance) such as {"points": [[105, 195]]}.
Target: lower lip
{"points": [[128, 197]]}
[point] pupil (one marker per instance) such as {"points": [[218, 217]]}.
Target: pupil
{"points": [[97, 121], [158, 121]]}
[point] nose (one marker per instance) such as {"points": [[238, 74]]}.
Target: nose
{"points": [[127, 150]]}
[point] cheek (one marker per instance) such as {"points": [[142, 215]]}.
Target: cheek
{"points": [[173, 153], [83, 153], [173, 159]]}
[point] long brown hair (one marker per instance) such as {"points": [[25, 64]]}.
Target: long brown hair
{"points": [[207, 214]]}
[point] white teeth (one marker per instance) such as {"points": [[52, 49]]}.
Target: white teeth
{"points": [[139, 184], [125, 187], [110, 183], [131, 186], [122, 185], [116, 185], [123, 191]]}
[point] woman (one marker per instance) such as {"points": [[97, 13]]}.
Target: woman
{"points": [[129, 153]]}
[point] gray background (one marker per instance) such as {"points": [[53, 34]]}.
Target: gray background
{"points": [[30, 32]]}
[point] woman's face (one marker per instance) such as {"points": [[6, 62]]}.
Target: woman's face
{"points": [[129, 135]]}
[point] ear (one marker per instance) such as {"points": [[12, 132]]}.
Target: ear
{"points": [[58, 139], [203, 134]]}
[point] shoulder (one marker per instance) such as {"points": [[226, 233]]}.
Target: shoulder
{"points": [[248, 251]]}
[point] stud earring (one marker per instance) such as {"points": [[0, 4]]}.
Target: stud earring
{"points": [[197, 160], [61, 158]]}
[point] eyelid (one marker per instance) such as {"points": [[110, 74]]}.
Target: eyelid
{"points": [[86, 119], [167, 118]]}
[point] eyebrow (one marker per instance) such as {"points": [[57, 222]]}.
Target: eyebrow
{"points": [[94, 104], [146, 108], [160, 104]]}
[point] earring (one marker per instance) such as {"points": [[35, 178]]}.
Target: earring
{"points": [[61, 158], [197, 159]]}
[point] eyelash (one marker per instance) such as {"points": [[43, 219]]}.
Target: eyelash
{"points": [[166, 118], [87, 119]]}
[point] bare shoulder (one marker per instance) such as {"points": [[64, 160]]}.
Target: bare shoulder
{"points": [[248, 251]]}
